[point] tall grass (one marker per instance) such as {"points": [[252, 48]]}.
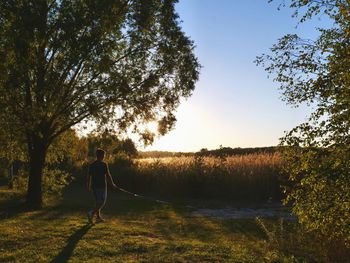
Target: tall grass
{"points": [[253, 177]]}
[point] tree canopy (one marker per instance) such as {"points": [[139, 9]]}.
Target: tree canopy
{"points": [[317, 72], [116, 62]]}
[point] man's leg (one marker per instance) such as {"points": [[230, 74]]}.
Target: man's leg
{"points": [[97, 210], [98, 205], [101, 196]]}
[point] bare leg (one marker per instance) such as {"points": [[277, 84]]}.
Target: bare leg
{"points": [[100, 196]]}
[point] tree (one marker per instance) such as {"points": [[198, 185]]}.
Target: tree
{"points": [[126, 146], [104, 140], [116, 62], [68, 151], [317, 72]]}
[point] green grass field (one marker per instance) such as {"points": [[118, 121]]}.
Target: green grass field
{"points": [[135, 230]]}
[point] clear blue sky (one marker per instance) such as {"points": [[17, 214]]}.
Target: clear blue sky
{"points": [[234, 103]]}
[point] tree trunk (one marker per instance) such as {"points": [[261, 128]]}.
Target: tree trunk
{"points": [[37, 154]]}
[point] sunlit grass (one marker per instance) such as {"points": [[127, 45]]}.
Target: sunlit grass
{"points": [[136, 230], [253, 177]]}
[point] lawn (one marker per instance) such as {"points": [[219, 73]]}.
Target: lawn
{"points": [[136, 230]]}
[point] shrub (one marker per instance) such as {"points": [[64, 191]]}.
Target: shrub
{"points": [[54, 181], [321, 190]]}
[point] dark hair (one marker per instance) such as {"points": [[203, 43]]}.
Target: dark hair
{"points": [[100, 154]]}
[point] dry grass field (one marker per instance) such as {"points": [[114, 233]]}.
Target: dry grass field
{"points": [[252, 177]]}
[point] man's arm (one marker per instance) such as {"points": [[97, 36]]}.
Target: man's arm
{"points": [[110, 179]]}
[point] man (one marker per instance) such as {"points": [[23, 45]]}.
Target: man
{"points": [[96, 180]]}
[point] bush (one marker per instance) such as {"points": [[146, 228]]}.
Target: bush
{"points": [[54, 181], [321, 190], [291, 242]]}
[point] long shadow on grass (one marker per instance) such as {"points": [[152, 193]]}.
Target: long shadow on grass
{"points": [[13, 211], [178, 225], [73, 240]]}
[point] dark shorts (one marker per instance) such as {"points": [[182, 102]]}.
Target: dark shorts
{"points": [[100, 195]]}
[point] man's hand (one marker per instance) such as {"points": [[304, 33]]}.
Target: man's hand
{"points": [[110, 180]]}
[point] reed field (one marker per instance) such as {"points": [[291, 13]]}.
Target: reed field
{"points": [[251, 177]]}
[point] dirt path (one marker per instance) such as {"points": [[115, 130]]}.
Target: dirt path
{"points": [[245, 213]]}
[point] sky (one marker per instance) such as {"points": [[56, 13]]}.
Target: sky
{"points": [[234, 104]]}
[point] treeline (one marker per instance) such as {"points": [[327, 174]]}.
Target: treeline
{"points": [[222, 151], [162, 154]]}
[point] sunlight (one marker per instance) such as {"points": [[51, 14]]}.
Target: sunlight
{"points": [[151, 126], [190, 131]]}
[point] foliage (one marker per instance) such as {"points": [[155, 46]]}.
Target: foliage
{"points": [[106, 141], [68, 151], [222, 151], [117, 63], [112, 144], [55, 180], [65, 156], [317, 72], [161, 154], [289, 242], [11, 146], [228, 151], [127, 146], [84, 59], [321, 190]]}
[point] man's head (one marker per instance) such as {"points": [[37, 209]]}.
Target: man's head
{"points": [[100, 154]]}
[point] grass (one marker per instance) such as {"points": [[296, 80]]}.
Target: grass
{"points": [[136, 230], [141, 230]]}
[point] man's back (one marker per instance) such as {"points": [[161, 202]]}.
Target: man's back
{"points": [[97, 171]]}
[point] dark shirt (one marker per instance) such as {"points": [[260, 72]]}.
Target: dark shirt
{"points": [[98, 171]]}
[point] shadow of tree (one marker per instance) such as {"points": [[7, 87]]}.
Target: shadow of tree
{"points": [[180, 225], [73, 240]]}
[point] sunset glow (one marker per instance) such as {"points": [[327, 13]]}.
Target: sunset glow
{"points": [[234, 104]]}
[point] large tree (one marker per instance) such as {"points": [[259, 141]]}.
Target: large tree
{"points": [[317, 72], [117, 62]]}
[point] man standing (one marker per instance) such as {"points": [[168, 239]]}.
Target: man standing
{"points": [[96, 180]]}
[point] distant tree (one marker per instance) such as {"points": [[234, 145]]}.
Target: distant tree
{"points": [[126, 146], [106, 141], [203, 150], [318, 72], [119, 63]]}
